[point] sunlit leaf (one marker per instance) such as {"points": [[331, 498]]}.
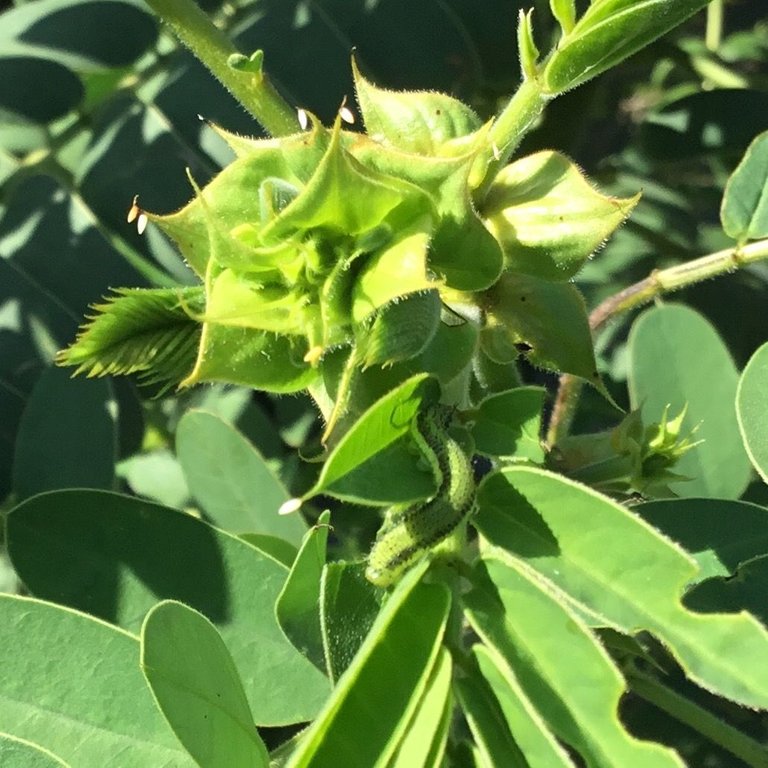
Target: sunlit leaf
{"points": [[548, 218], [752, 410], [298, 605], [84, 712], [351, 729], [114, 557], [542, 321], [635, 584], [528, 625], [744, 212], [608, 33], [198, 689]]}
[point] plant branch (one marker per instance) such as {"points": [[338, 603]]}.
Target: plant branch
{"points": [[248, 84], [657, 283], [726, 736], [515, 120]]}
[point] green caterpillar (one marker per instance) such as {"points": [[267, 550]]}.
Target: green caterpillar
{"points": [[410, 531]]}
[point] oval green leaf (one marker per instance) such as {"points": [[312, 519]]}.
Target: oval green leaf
{"points": [[20, 753], [528, 626], [349, 604], [509, 424], [115, 557], [230, 479], [298, 605], [425, 738], [530, 729], [752, 410], [744, 213], [197, 687], [720, 534], [73, 686], [486, 718]]}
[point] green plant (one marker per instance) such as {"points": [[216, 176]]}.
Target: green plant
{"points": [[400, 276]]}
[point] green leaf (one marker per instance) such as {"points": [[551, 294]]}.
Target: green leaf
{"points": [[413, 121], [526, 45], [424, 741], [298, 605], [634, 584], [745, 591], [73, 686], [115, 557], [565, 13], [349, 604], [126, 31], [529, 729], [351, 729], [545, 322], [486, 719], [547, 216], [67, 437], [230, 479], [197, 687], [157, 476], [509, 424], [326, 200], [20, 753], [459, 229], [609, 32], [20, 104], [375, 449], [402, 329], [744, 212], [274, 546], [150, 332], [752, 410], [720, 534], [528, 626], [252, 358], [677, 360]]}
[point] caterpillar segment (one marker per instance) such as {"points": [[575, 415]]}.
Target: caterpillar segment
{"points": [[409, 532]]}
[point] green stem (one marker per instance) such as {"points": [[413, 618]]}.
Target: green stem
{"points": [[714, 33], [248, 85], [342, 394], [516, 119], [449, 556], [726, 736], [657, 283]]}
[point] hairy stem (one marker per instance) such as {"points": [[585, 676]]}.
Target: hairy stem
{"points": [[726, 736], [213, 48], [657, 283], [516, 119]]}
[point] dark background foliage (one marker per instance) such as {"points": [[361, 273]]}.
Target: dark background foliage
{"points": [[98, 104]]}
